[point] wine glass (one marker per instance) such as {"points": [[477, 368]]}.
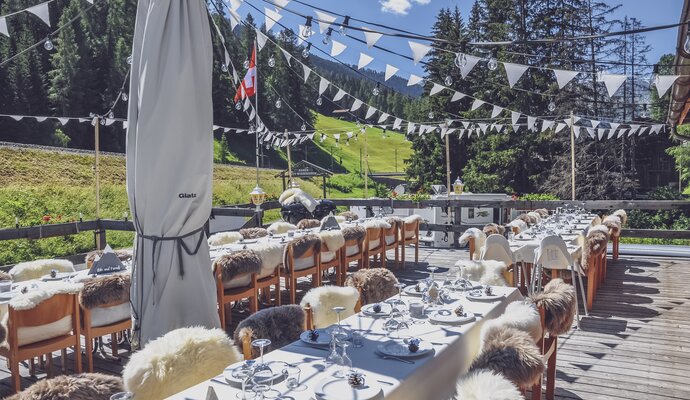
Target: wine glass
{"points": [[338, 310], [345, 361], [433, 276], [333, 357], [122, 396], [261, 343], [262, 380]]}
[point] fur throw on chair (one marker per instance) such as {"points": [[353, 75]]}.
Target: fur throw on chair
{"points": [[303, 243], [493, 229], [558, 301], [253, 233], [613, 222], [413, 218], [35, 269], [349, 215], [596, 221], [222, 238], [622, 215], [238, 263], [308, 223], [486, 385], [34, 297], [282, 325], [323, 299], [333, 240], [393, 220], [535, 217], [519, 224], [543, 212], [479, 239], [72, 387], [271, 254], [374, 284], [486, 272], [4, 276], [297, 195], [594, 244], [354, 233], [525, 218], [520, 315], [511, 353], [123, 255], [376, 223], [105, 290], [178, 360], [280, 227]]}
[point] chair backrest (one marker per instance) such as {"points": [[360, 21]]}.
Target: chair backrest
{"points": [[553, 253], [305, 248], [374, 234], [497, 248], [48, 311], [282, 325]]}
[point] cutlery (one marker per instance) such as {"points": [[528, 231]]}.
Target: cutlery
{"points": [[385, 357]]}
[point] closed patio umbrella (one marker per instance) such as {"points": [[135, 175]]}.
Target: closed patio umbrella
{"points": [[169, 168]]}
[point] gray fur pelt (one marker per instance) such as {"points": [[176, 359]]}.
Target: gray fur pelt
{"points": [[395, 221], [73, 387], [308, 223], [354, 233], [238, 263], [494, 229], [303, 243], [375, 284], [613, 222], [558, 302], [595, 244], [543, 212], [4, 276], [104, 290], [511, 353], [282, 325], [123, 255], [253, 233], [349, 215]]}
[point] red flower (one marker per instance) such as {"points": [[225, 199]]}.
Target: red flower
{"points": [[46, 218], [59, 217]]}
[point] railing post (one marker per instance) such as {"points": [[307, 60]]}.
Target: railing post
{"points": [[457, 221], [100, 239]]}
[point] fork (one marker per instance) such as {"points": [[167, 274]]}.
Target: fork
{"points": [[385, 357]]}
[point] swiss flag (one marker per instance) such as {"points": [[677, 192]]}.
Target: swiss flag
{"points": [[247, 87]]}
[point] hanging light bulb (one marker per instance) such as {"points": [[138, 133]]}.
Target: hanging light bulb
{"points": [[102, 121], [460, 60], [238, 105], [343, 27], [375, 91], [686, 45], [303, 127], [279, 103], [245, 63], [271, 61], [430, 115], [306, 31], [224, 67], [267, 146], [493, 63], [305, 52], [124, 97], [319, 101], [552, 106], [655, 76], [644, 114], [448, 81], [48, 44], [327, 39], [111, 115], [129, 59]]}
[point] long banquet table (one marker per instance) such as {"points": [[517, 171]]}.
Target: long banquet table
{"points": [[431, 376]]}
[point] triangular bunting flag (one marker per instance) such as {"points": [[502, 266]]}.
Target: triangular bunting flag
{"points": [[307, 71], [272, 17], [383, 118], [483, 127], [125, 124], [364, 60], [370, 111], [3, 27], [341, 93], [41, 119], [260, 39], [337, 48], [477, 103], [612, 133], [287, 55], [514, 72], [564, 77], [622, 132], [496, 111], [390, 71], [323, 85], [466, 124], [663, 82], [600, 133], [656, 128], [614, 126], [356, 105], [414, 79], [41, 11], [644, 130], [419, 50], [613, 82], [577, 132], [324, 20], [457, 96], [633, 129], [594, 123], [109, 121], [560, 127], [591, 133], [515, 117], [435, 89], [63, 121], [531, 123], [235, 4], [410, 128], [252, 114], [396, 124], [516, 128], [546, 125], [471, 61], [371, 37]]}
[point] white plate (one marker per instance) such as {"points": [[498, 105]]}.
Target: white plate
{"points": [[339, 389], [276, 366], [473, 295], [60, 276], [449, 317], [385, 310], [6, 296], [398, 348], [410, 290], [475, 285], [324, 338]]}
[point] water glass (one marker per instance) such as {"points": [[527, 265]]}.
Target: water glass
{"points": [[263, 380], [291, 374], [357, 340]]}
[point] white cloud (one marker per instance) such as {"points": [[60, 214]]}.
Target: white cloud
{"points": [[400, 7], [422, 1]]}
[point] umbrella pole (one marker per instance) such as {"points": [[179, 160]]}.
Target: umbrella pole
{"points": [[572, 155], [288, 158], [97, 167], [366, 165], [448, 165], [256, 108]]}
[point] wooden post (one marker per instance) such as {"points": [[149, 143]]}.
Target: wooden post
{"points": [[448, 166], [97, 168], [366, 164], [289, 158], [572, 155]]}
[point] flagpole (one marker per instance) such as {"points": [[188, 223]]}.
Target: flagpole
{"points": [[289, 160], [256, 108], [448, 187], [572, 155]]}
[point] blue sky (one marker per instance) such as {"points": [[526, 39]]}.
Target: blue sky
{"points": [[419, 15]]}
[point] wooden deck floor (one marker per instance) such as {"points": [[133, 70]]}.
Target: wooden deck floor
{"points": [[633, 345]]}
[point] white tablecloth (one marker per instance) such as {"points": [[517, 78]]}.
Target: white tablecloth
{"points": [[430, 377], [523, 246]]}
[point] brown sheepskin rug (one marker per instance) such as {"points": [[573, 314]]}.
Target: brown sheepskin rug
{"points": [[375, 284], [613, 222], [595, 244], [511, 353], [494, 229], [253, 233], [354, 233], [4, 276], [525, 218], [282, 325], [308, 223], [622, 215], [558, 301], [105, 290], [302, 244], [543, 212], [238, 263], [72, 387], [123, 255], [349, 215]]}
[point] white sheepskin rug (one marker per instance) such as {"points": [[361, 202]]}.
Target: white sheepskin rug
{"points": [[519, 224], [271, 254], [486, 272], [34, 297], [178, 360], [376, 223], [486, 385], [413, 218], [622, 215], [479, 239], [599, 227], [334, 240], [323, 299], [596, 221], [35, 269], [519, 315], [535, 216], [280, 227], [221, 238], [297, 195]]}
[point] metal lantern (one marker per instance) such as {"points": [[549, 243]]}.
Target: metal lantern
{"points": [[458, 186], [258, 196]]}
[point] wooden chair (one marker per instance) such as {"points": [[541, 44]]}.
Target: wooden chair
{"points": [[91, 332], [375, 246], [49, 311], [227, 294], [335, 262], [304, 264], [353, 250], [318, 305], [391, 239], [282, 325], [409, 234], [264, 283]]}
